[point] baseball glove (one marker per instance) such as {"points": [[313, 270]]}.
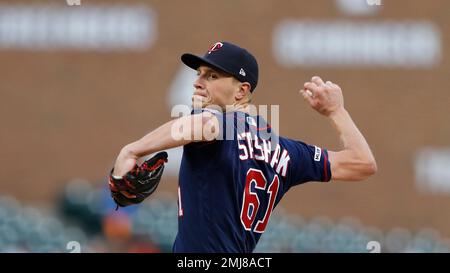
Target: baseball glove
{"points": [[139, 183]]}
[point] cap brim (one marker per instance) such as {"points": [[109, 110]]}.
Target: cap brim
{"points": [[194, 62]]}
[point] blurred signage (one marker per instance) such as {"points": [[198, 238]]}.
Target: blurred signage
{"points": [[397, 44], [85, 28], [73, 2], [432, 170], [359, 7]]}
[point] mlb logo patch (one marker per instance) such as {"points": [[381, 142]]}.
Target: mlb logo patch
{"points": [[317, 154]]}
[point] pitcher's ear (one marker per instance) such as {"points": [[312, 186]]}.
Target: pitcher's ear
{"points": [[244, 88]]}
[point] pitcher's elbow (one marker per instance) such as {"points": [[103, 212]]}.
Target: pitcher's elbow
{"points": [[366, 170], [371, 168]]}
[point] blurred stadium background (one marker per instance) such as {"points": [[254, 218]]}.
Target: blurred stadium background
{"points": [[78, 82]]}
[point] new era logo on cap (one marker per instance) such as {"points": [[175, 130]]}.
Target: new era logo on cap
{"points": [[242, 72]]}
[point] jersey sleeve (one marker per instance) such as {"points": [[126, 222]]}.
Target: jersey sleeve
{"points": [[308, 163]]}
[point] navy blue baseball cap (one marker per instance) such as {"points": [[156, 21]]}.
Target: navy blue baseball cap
{"points": [[228, 58]]}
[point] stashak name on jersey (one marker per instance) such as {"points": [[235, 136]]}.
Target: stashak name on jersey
{"points": [[254, 147]]}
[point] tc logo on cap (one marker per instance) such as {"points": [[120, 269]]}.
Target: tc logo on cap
{"points": [[215, 47]]}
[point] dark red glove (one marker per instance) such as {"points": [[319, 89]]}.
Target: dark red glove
{"points": [[139, 183]]}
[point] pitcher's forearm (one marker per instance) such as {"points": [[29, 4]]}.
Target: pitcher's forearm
{"points": [[177, 132], [157, 140], [350, 136], [355, 161]]}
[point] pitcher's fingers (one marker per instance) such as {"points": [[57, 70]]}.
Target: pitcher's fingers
{"points": [[333, 85], [306, 96], [317, 80], [311, 86], [336, 86]]}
